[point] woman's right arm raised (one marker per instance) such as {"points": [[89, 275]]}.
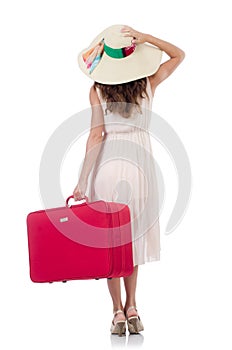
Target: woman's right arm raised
{"points": [[167, 68]]}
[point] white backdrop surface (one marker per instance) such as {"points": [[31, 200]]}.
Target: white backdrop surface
{"points": [[185, 298]]}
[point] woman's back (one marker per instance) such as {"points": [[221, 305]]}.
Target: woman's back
{"points": [[139, 120]]}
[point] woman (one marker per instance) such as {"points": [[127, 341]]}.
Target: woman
{"points": [[125, 66]]}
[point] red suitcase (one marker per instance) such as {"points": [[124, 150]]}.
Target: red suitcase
{"points": [[90, 240]]}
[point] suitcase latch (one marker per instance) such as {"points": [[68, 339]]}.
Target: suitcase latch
{"points": [[64, 219]]}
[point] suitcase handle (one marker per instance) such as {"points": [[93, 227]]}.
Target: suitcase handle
{"points": [[67, 200]]}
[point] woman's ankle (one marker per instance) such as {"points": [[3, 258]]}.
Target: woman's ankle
{"points": [[129, 303], [117, 307]]}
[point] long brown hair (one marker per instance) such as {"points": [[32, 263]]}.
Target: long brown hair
{"points": [[122, 98]]}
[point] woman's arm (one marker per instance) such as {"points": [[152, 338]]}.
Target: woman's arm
{"points": [[93, 145], [167, 68]]}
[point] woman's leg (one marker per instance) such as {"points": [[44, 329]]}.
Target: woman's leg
{"points": [[115, 292], [134, 323], [130, 283]]}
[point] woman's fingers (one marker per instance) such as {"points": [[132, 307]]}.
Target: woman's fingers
{"points": [[78, 197], [128, 31], [77, 194], [79, 191], [126, 28]]}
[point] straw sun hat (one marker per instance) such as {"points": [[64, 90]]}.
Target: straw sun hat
{"points": [[111, 58]]}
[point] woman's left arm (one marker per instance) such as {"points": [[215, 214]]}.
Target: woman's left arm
{"points": [[93, 145]]}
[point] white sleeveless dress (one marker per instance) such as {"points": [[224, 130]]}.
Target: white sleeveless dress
{"points": [[124, 172]]}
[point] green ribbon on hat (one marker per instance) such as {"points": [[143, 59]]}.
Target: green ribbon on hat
{"points": [[114, 53]]}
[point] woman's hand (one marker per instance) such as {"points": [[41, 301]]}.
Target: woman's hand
{"points": [[139, 37], [79, 191]]}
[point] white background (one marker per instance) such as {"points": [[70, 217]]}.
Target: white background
{"points": [[184, 299]]}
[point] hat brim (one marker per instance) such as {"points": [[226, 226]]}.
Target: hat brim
{"points": [[143, 62]]}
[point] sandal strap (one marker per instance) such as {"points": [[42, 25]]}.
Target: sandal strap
{"points": [[130, 308], [118, 311]]}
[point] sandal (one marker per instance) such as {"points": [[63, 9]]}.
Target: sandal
{"points": [[134, 322], [119, 327]]}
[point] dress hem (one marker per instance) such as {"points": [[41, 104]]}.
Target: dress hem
{"points": [[151, 259]]}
